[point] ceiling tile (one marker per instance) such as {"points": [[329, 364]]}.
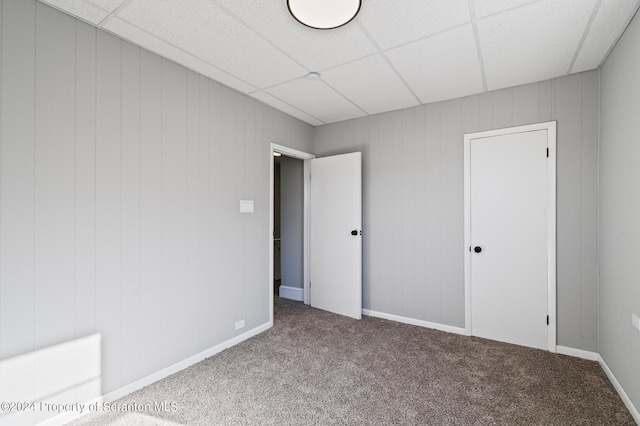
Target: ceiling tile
{"points": [[429, 45], [204, 30], [392, 23], [371, 84], [108, 5], [162, 48], [610, 21], [316, 99], [532, 43], [83, 10], [315, 49], [286, 108], [444, 66], [489, 7]]}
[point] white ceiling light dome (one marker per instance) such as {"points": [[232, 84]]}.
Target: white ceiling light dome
{"points": [[324, 14]]}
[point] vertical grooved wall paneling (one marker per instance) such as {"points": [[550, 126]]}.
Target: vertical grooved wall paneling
{"points": [[109, 205], [174, 209], [17, 196], [414, 235], [54, 200], [17, 190], [85, 179], [619, 161], [120, 179], [589, 212], [568, 112], [130, 211], [151, 293]]}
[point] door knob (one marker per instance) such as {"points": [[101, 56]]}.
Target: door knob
{"points": [[354, 232], [477, 249]]}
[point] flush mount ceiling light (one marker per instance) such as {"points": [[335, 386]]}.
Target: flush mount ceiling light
{"points": [[324, 14]]}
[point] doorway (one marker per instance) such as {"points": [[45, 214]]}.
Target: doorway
{"points": [[288, 238], [304, 158], [510, 267], [337, 213]]}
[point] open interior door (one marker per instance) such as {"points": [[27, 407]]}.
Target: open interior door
{"points": [[336, 234]]}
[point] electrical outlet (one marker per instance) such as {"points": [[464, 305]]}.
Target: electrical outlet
{"points": [[635, 321], [240, 324]]}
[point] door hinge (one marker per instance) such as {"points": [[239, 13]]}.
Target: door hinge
{"points": [[547, 152], [547, 319]]}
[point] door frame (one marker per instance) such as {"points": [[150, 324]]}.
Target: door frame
{"points": [[550, 127], [306, 157]]}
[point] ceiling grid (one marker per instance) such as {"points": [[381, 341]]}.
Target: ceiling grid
{"points": [[393, 55]]}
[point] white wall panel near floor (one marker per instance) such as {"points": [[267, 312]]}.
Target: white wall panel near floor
{"points": [[120, 176], [414, 163]]}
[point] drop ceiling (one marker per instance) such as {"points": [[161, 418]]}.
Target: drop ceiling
{"points": [[394, 55]]}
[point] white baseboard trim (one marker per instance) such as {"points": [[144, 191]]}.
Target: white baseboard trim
{"points": [[165, 372], [412, 321], [623, 395], [293, 293], [158, 375], [578, 353]]}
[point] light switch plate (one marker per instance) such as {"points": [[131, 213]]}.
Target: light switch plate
{"points": [[246, 206], [635, 321]]}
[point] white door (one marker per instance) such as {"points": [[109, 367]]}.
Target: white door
{"points": [[509, 237], [335, 234]]}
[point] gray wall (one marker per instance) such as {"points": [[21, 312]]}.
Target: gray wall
{"points": [[292, 221], [620, 210], [120, 180], [413, 199]]}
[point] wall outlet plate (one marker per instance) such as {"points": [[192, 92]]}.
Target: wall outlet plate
{"points": [[240, 324], [246, 206], [635, 321]]}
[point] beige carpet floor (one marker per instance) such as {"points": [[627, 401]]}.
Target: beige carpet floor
{"points": [[317, 368]]}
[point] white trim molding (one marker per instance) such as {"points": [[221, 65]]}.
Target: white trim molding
{"points": [[292, 293], [618, 387], [412, 321], [550, 127], [67, 417], [577, 353]]}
